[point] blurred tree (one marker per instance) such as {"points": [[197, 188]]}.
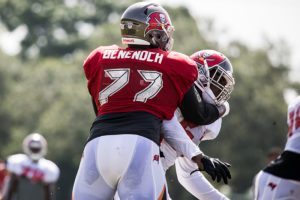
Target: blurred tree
{"points": [[5, 118], [48, 94], [50, 97], [55, 28]]}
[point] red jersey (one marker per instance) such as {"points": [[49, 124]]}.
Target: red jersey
{"points": [[3, 174], [129, 80]]}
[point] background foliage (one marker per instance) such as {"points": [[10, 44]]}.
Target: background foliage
{"points": [[43, 88]]}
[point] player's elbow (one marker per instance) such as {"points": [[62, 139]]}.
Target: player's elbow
{"points": [[203, 114]]}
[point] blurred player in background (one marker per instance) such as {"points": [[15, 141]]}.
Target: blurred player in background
{"points": [[280, 180], [271, 155], [215, 87], [31, 176], [133, 90], [3, 174]]}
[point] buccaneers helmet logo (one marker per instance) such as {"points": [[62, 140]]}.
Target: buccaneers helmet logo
{"points": [[157, 21], [204, 55]]}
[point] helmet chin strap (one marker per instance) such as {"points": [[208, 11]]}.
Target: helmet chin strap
{"points": [[207, 71], [206, 91]]}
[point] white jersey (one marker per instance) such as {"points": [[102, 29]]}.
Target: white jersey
{"points": [[176, 138], [293, 121], [196, 133], [195, 183], [281, 178], [43, 170], [201, 133]]}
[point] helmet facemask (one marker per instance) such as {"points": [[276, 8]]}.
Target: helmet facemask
{"points": [[221, 83], [217, 79], [35, 146], [162, 39]]}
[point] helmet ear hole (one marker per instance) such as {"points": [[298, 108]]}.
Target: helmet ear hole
{"points": [[146, 11]]}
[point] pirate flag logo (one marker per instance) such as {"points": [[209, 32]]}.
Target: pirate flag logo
{"points": [[158, 21]]}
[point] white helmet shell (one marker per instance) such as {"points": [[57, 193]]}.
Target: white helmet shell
{"points": [[35, 146]]}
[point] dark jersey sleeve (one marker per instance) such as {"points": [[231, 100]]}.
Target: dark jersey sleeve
{"points": [[285, 166], [195, 110]]}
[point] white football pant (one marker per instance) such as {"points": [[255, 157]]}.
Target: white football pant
{"points": [[127, 164], [270, 187]]}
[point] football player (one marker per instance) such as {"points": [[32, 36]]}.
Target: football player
{"points": [[280, 180], [31, 176], [133, 90], [216, 83]]}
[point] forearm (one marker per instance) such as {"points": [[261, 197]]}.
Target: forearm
{"points": [[177, 138], [196, 184], [49, 191], [195, 110], [200, 187]]}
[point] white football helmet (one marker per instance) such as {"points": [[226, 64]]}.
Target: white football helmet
{"points": [[35, 146], [216, 73]]}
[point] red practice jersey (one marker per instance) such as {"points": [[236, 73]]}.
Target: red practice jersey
{"points": [[3, 174], [129, 80]]}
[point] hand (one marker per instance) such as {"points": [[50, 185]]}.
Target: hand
{"points": [[224, 109], [208, 96], [214, 167]]}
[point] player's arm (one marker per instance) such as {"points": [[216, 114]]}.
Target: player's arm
{"points": [[49, 191], [11, 187], [90, 67], [49, 180], [175, 135], [197, 111], [196, 183]]}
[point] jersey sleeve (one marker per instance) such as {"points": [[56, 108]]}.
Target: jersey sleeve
{"points": [[169, 155], [90, 63], [176, 137], [196, 184], [52, 173], [14, 163], [184, 72], [212, 130]]}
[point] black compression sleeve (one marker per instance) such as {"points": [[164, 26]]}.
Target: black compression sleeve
{"points": [[197, 111]]}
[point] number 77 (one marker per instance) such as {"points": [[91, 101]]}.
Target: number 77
{"points": [[121, 79]]}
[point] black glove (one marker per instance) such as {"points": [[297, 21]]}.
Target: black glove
{"points": [[215, 168]]}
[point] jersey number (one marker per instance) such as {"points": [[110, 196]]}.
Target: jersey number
{"points": [[294, 118], [120, 78]]}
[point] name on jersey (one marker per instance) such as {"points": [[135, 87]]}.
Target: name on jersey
{"points": [[134, 55]]}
